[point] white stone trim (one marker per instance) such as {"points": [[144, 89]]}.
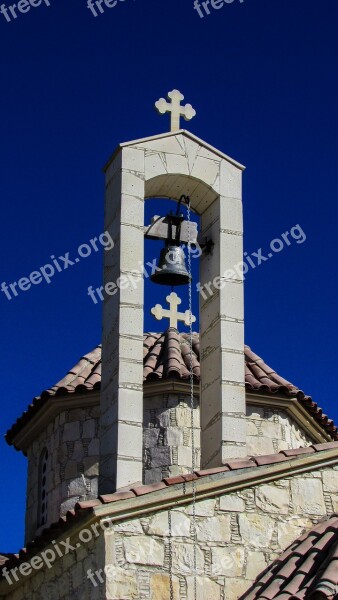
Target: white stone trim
{"points": [[208, 486], [47, 413], [161, 136]]}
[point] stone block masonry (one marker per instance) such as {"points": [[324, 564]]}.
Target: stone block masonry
{"points": [[238, 535], [167, 437], [271, 430], [72, 441], [66, 579]]}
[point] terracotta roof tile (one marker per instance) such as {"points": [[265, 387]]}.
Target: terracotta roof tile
{"points": [[174, 480], [240, 463], [84, 505], [213, 471], [307, 568], [298, 451], [269, 459], [325, 446], [190, 476], [147, 489], [107, 498], [167, 355]]}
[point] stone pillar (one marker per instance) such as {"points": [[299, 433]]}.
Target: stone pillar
{"points": [[223, 425], [121, 406]]}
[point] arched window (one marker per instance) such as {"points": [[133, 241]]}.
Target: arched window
{"points": [[42, 497]]}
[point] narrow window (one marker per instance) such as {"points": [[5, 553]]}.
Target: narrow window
{"points": [[42, 497]]}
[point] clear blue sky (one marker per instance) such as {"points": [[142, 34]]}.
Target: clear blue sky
{"points": [[262, 75]]}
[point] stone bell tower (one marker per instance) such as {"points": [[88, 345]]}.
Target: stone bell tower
{"points": [[167, 166]]}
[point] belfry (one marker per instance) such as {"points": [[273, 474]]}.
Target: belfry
{"points": [[169, 166], [174, 464]]}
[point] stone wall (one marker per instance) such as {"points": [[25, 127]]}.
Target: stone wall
{"points": [[238, 535], [72, 469], [73, 445], [167, 436], [66, 579], [271, 430]]}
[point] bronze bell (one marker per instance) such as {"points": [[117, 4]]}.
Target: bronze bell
{"points": [[171, 268]]}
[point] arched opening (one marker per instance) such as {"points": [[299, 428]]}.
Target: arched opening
{"points": [[42, 492], [169, 441], [154, 293], [162, 193]]}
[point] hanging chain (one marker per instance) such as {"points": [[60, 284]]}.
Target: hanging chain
{"points": [[170, 557], [192, 407], [193, 465]]}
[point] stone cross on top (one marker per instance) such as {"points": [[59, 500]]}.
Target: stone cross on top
{"points": [[175, 108], [173, 314]]}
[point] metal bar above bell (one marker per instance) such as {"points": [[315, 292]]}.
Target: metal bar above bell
{"points": [[158, 230]]}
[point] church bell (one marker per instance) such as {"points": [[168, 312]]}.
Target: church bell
{"points": [[171, 268]]}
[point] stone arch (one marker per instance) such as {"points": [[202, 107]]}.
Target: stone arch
{"points": [[173, 185]]}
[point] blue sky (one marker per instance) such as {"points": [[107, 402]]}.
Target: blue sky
{"points": [[262, 76]]}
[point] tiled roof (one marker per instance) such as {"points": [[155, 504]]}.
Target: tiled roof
{"points": [[83, 509], [167, 355], [307, 569]]}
